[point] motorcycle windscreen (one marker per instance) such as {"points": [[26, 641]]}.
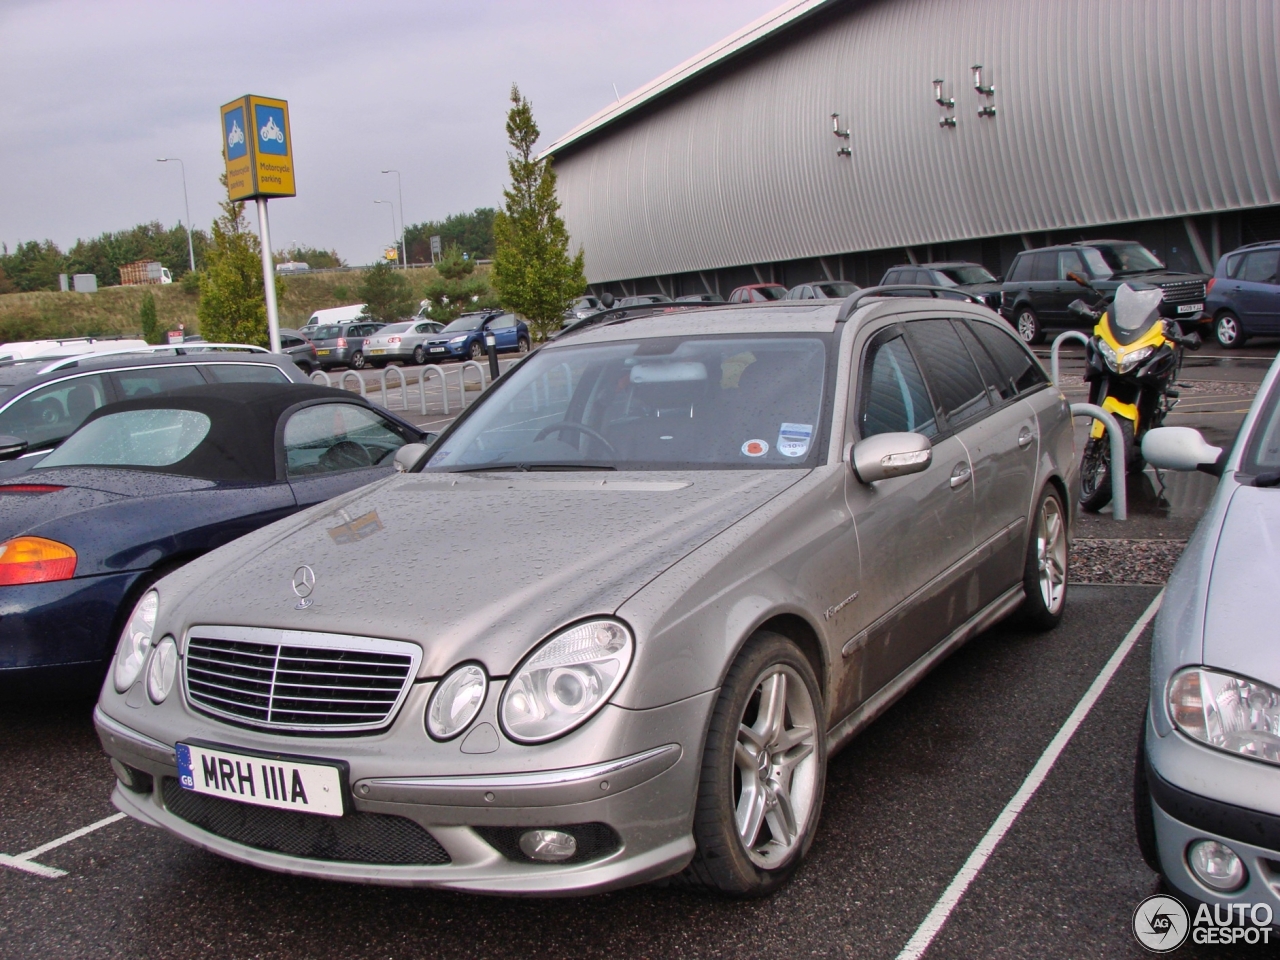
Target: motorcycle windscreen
{"points": [[1134, 311]]}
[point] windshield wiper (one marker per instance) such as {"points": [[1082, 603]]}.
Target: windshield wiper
{"points": [[533, 466]]}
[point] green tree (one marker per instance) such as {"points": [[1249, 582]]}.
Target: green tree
{"points": [[233, 306], [313, 257], [33, 265], [106, 253], [151, 331], [386, 293], [532, 271], [471, 233], [452, 266], [6, 285]]}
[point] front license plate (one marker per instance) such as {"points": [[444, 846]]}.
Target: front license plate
{"points": [[437, 349], [282, 784], [1191, 308], [377, 351], [323, 353]]}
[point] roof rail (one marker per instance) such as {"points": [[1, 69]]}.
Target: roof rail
{"points": [[1259, 243], [179, 350], [854, 300]]}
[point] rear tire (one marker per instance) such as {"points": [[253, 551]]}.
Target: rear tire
{"points": [[522, 346], [1044, 576], [357, 361], [1228, 331], [1027, 324], [763, 772], [419, 356]]}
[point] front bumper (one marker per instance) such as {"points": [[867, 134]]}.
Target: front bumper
{"points": [[640, 781], [1183, 816]]}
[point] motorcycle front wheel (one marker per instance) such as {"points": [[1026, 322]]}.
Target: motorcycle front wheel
{"points": [[1095, 468]]}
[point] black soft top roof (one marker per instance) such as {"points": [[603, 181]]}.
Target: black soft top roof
{"points": [[241, 443]]}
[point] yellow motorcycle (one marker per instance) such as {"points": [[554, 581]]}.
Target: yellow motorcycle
{"points": [[1131, 363]]}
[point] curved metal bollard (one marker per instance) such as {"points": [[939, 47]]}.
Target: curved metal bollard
{"points": [[359, 379], [1119, 499], [1057, 344], [324, 378], [422, 386], [462, 378], [404, 387]]}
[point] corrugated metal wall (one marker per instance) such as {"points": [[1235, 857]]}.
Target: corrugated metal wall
{"points": [[1106, 111]]}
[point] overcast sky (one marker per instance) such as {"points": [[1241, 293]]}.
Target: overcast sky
{"points": [[94, 92]]}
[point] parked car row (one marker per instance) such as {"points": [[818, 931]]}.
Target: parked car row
{"points": [[360, 343]]}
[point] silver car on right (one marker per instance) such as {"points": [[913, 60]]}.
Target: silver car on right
{"points": [[1207, 776]]}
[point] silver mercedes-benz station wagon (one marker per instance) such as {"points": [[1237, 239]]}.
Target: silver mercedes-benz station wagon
{"points": [[610, 627]]}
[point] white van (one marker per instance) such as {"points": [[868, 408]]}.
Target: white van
{"points": [[336, 315], [71, 346]]}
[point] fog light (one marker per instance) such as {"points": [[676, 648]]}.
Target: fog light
{"points": [[1215, 865], [549, 846], [131, 779]]}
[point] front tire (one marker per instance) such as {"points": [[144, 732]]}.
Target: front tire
{"points": [[522, 346], [476, 351], [1228, 331], [1096, 469], [1044, 576], [1028, 326], [419, 356], [357, 361], [763, 772]]}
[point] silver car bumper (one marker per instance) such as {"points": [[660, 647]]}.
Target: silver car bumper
{"points": [[645, 796], [1198, 794]]}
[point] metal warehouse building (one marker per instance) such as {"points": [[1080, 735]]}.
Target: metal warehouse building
{"points": [[964, 129]]}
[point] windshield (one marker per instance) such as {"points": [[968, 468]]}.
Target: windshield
{"points": [[1135, 309], [462, 324], [969, 273], [395, 328], [1120, 258], [703, 402], [837, 289], [134, 438]]}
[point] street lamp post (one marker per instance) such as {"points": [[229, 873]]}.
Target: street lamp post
{"points": [[191, 250], [392, 208], [404, 257]]}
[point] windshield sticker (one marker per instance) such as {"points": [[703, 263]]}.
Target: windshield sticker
{"points": [[755, 448], [357, 529], [793, 439]]}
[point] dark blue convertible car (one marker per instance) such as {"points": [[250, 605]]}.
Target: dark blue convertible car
{"points": [[146, 485]]}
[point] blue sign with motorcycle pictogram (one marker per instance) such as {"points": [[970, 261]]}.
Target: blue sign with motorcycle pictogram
{"points": [[233, 132], [269, 124]]}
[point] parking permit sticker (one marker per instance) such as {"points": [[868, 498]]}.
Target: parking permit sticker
{"points": [[755, 448], [793, 439]]}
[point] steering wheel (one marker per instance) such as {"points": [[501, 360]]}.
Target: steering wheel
{"points": [[345, 455], [579, 428]]}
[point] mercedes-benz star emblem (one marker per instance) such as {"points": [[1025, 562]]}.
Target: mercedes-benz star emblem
{"points": [[304, 581]]}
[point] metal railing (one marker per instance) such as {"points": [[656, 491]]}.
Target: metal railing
{"points": [[424, 374]]}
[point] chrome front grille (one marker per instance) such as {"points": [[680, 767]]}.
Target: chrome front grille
{"points": [[1187, 291], [302, 682]]}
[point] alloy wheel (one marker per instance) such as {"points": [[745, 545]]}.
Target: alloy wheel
{"points": [[1027, 326], [776, 772], [1227, 330], [1051, 550]]}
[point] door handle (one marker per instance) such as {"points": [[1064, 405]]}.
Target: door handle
{"points": [[960, 474], [1025, 437]]}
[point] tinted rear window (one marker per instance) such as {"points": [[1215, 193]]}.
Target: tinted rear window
{"points": [[245, 373], [950, 369], [1010, 356]]}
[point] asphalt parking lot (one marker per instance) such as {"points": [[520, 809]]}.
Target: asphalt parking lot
{"points": [[907, 804]]}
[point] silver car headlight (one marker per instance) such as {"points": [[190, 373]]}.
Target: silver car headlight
{"points": [[566, 680], [456, 700], [135, 642], [1227, 712]]}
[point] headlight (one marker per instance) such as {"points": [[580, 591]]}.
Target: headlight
{"points": [[457, 340], [1131, 360], [1227, 712], [456, 700], [162, 669], [1108, 353], [566, 680], [135, 642]]}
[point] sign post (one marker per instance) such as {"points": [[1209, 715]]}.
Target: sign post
{"points": [[259, 151]]}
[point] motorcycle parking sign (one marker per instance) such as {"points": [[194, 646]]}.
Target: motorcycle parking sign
{"points": [[258, 147]]}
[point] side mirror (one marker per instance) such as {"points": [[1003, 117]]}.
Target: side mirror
{"points": [[410, 456], [12, 447], [1181, 448], [606, 299], [1078, 308], [889, 455], [1079, 280]]}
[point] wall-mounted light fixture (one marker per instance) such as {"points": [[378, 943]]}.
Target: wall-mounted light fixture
{"points": [[983, 90], [946, 103], [842, 134]]}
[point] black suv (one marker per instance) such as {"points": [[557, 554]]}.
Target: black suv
{"points": [[1036, 291], [972, 278]]}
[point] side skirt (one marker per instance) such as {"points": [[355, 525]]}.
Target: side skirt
{"points": [[850, 726]]}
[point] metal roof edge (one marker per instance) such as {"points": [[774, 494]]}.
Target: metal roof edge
{"points": [[772, 23]]}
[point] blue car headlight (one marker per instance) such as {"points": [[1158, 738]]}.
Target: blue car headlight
{"points": [[1227, 712], [458, 340]]}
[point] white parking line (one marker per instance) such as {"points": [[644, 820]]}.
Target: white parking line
{"points": [[24, 861], [933, 923]]}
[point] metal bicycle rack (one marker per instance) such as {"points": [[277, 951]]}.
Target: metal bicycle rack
{"points": [[422, 387], [404, 387], [324, 378], [1119, 494], [462, 378], [342, 382]]}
